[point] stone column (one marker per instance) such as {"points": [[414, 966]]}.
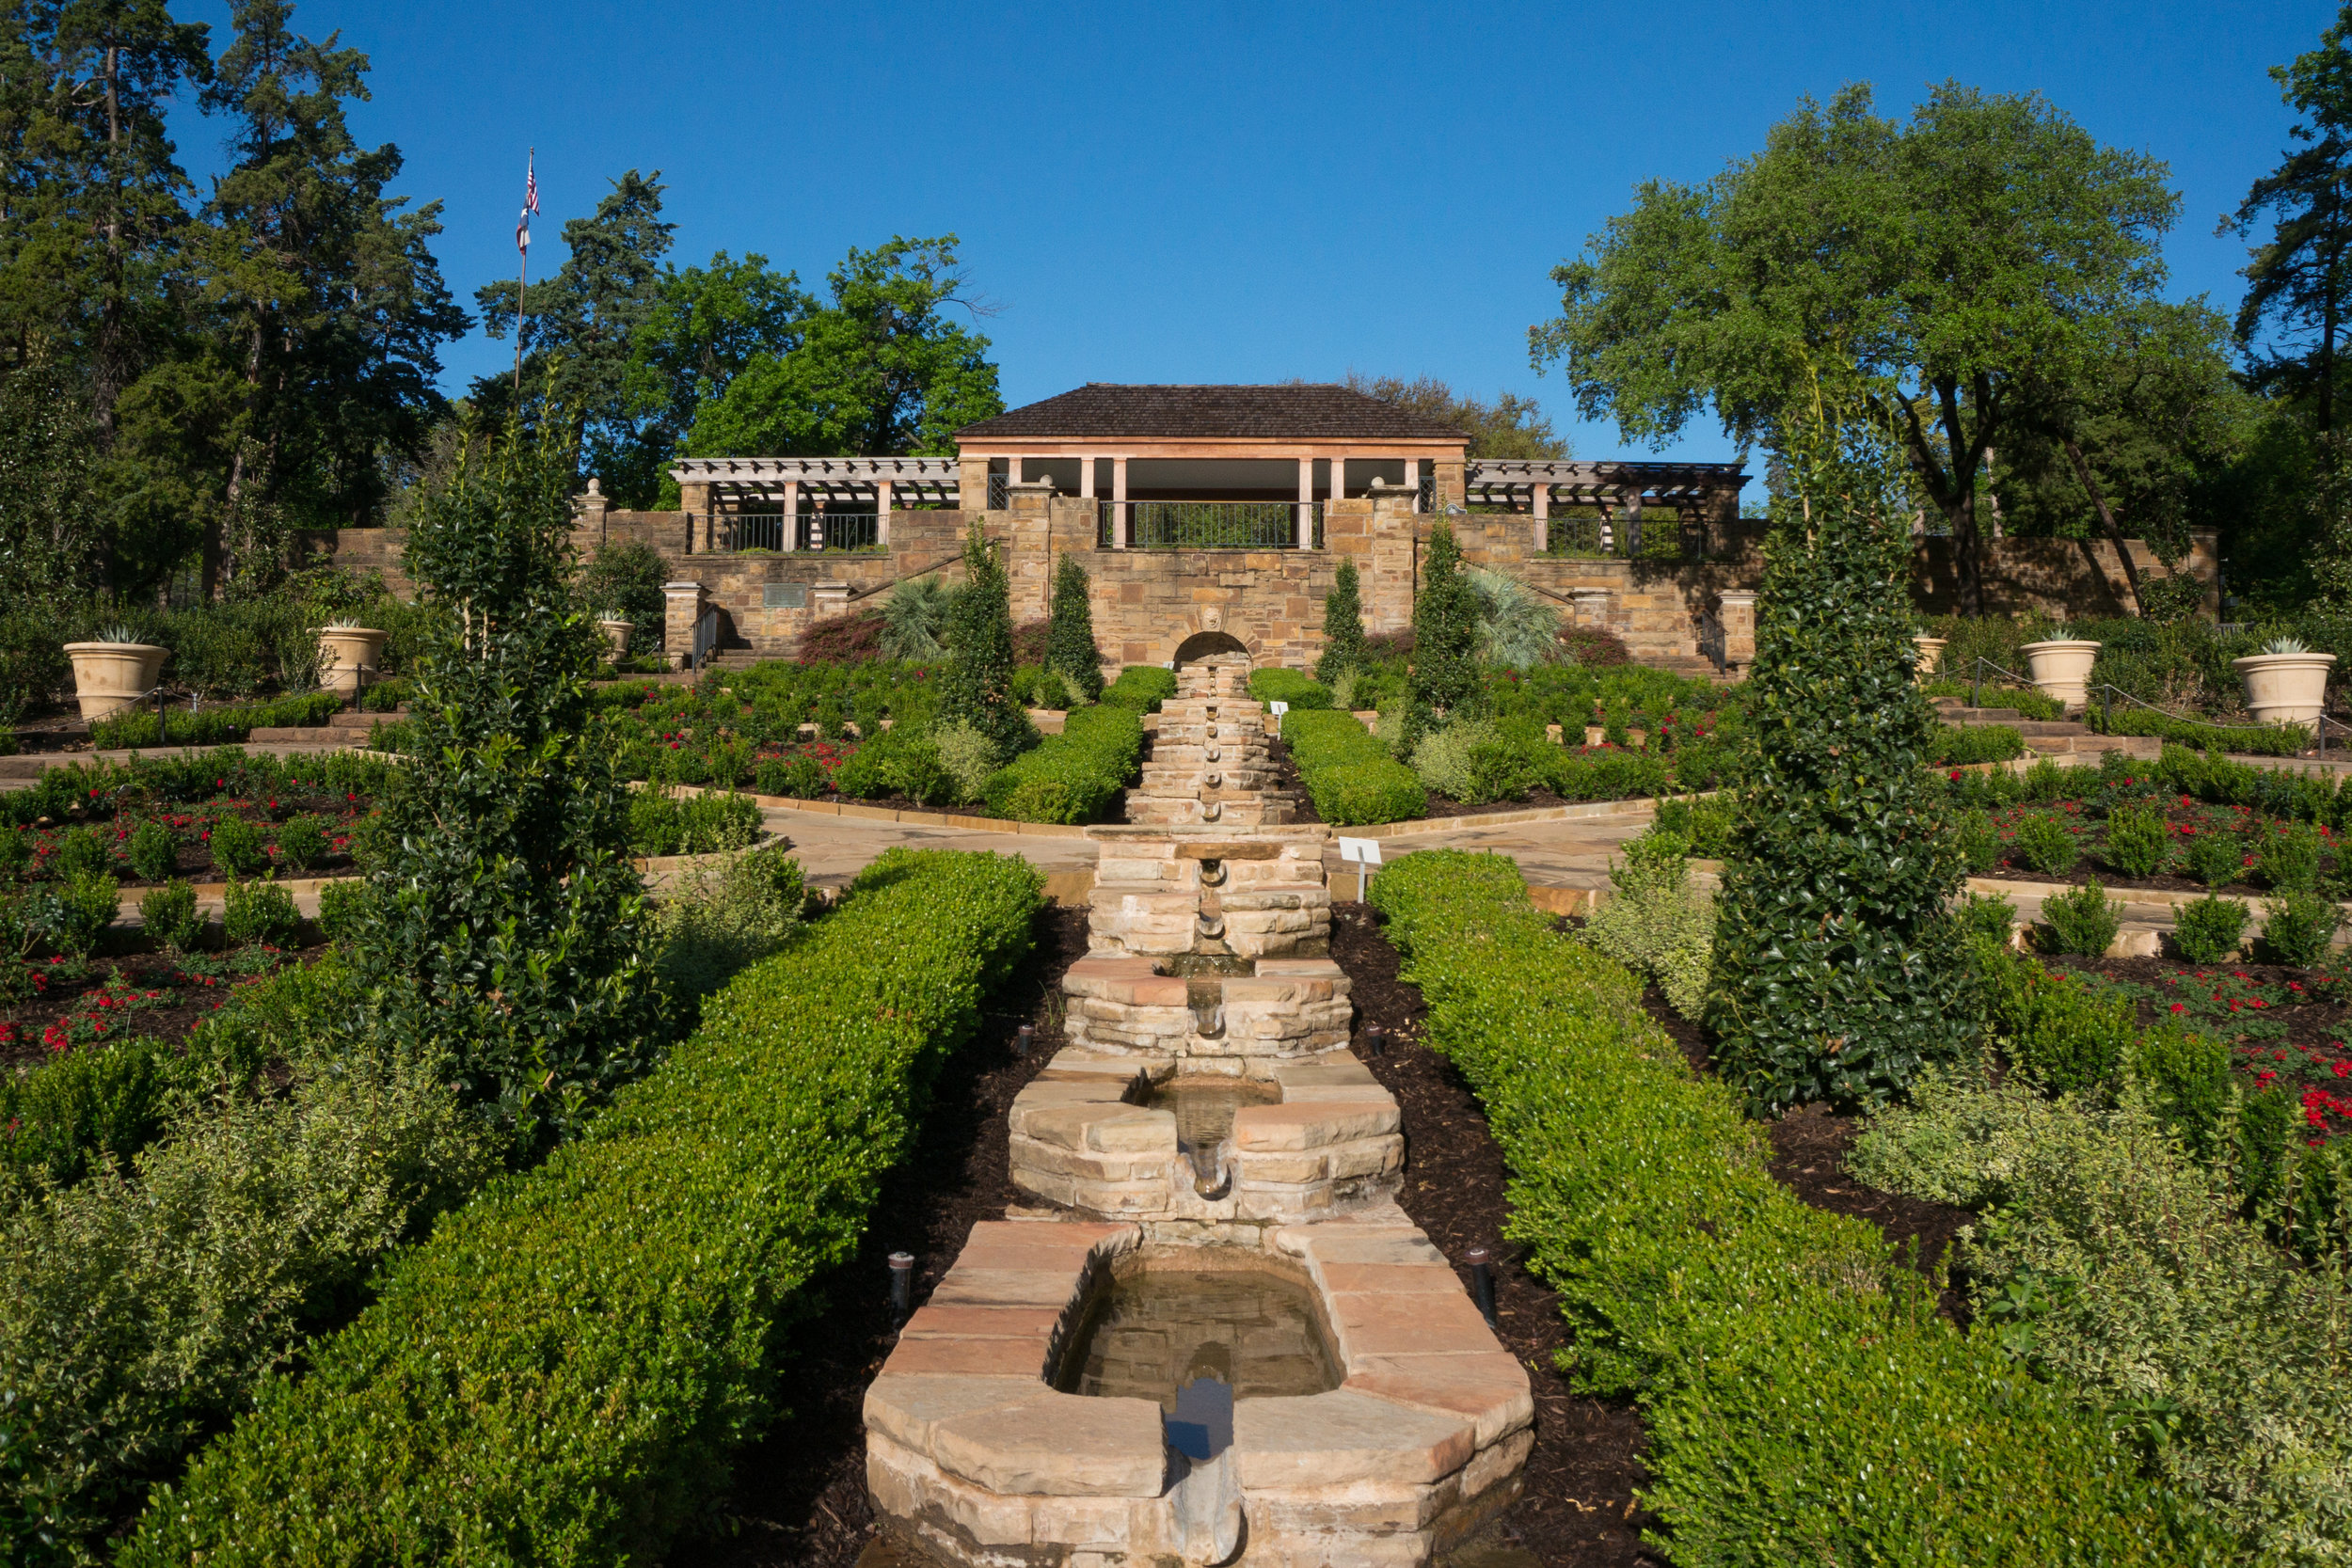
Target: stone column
{"points": [[1452, 478], [972, 483], [792, 516], [1592, 606], [1085, 476], [882, 512], [1118, 503], [1306, 502], [1543, 516], [1739, 617], [681, 607]]}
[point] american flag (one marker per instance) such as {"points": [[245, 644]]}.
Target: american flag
{"points": [[530, 204]]}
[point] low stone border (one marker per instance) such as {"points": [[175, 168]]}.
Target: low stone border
{"points": [[970, 1450], [883, 813]]}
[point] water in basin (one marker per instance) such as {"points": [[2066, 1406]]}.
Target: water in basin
{"points": [[1204, 1105], [1151, 1332]]}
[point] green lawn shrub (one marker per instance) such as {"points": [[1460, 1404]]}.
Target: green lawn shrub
{"points": [[261, 912], [2209, 930], [1074, 776], [301, 843], [2139, 841], [74, 915], [1704, 821], [800, 778], [237, 845], [1805, 1404], [170, 915], [1988, 915], [2298, 929], [564, 1372], [1657, 923], [1141, 686], [154, 851], [1957, 745], [211, 726], [81, 853], [2261, 740], [1616, 775], [664, 824], [719, 920], [2213, 857], [1294, 687], [2047, 844], [2082, 920], [1979, 845], [1349, 775], [2286, 856]]}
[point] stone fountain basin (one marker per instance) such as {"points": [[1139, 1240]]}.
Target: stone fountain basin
{"points": [[972, 1453], [1332, 1143], [1288, 1008]]}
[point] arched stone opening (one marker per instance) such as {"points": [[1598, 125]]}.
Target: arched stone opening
{"points": [[1211, 647]]}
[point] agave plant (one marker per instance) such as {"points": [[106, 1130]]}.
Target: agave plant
{"points": [[346, 626], [914, 618], [2286, 645], [118, 633], [1514, 626]]}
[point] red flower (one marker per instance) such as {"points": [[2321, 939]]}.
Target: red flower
{"points": [[2177, 1008]]}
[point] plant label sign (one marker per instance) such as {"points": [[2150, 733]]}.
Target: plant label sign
{"points": [[1278, 709], [1361, 852]]}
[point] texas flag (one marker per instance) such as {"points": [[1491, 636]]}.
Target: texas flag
{"points": [[530, 204]]}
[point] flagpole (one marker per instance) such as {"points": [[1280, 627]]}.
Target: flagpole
{"points": [[522, 283]]}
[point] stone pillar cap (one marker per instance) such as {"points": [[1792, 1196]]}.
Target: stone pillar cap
{"points": [[682, 587]]}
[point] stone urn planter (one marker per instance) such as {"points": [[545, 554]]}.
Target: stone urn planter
{"points": [[2285, 688], [1930, 655], [345, 653], [2061, 669], [109, 677], [616, 633]]}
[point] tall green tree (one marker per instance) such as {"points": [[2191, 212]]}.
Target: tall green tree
{"points": [[506, 927], [1838, 965], [2299, 278], [579, 334], [1343, 625], [1947, 259], [880, 367], [706, 325], [1510, 426], [1070, 648], [322, 305], [976, 683], [1444, 685]]}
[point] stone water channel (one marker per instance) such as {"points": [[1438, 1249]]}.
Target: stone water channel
{"points": [[1212, 1336]]}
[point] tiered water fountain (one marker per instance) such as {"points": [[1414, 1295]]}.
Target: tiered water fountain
{"points": [[1218, 1338]]}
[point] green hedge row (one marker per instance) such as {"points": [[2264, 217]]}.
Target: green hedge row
{"points": [[1141, 686], [211, 726], [564, 1372], [664, 824], [1956, 746], [1349, 775], [1072, 776], [2261, 740], [1300, 690], [1805, 1404]]}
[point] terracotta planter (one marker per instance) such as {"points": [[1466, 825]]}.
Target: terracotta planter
{"points": [[111, 676], [2285, 688], [1930, 655], [2061, 669], [616, 633], [345, 651]]}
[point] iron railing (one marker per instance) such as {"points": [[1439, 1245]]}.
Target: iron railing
{"points": [[1212, 524], [808, 531], [1714, 645], [706, 640], [1658, 535]]}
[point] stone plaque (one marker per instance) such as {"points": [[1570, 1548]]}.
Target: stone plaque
{"points": [[784, 595]]}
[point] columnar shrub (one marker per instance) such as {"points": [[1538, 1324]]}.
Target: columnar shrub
{"points": [[1070, 649], [976, 683], [1839, 969], [1343, 625], [1444, 687], [504, 926]]}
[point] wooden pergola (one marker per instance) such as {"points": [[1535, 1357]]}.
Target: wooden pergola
{"points": [[1619, 489]]}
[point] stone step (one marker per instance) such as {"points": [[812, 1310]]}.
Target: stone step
{"points": [[1960, 713]]}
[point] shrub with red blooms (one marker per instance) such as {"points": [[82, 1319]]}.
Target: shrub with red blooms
{"points": [[850, 639]]}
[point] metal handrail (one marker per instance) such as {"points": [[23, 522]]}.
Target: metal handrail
{"points": [[1179, 524], [1714, 644], [2108, 690], [705, 638]]}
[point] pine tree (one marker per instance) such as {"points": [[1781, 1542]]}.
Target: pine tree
{"points": [[1070, 639], [1342, 625], [504, 926], [1837, 966], [1444, 687], [976, 683]]}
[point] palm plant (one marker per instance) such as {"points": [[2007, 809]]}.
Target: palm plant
{"points": [[1514, 626], [913, 617]]}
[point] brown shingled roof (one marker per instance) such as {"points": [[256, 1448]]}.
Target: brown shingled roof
{"points": [[1294, 413]]}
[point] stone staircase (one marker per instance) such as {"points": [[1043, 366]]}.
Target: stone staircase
{"points": [[1209, 766], [350, 727], [2048, 737]]}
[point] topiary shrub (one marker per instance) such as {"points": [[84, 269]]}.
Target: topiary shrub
{"points": [[2298, 929], [1142, 688], [257, 913], [2209, 930], [1444, 687], [2139, 841], [2047, 844], [169, 914], [236, 844], [976, 683], [1839, 969], [1348, 774], [1343, 625], [154, 851], [1070, 649], [2082, 920]]}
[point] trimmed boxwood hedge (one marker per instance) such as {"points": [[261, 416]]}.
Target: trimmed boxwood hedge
{"points": [[1272, 685], [1349, 775], [1956, 745], [562, 1372], [1072, 776], [1804, 1402], [1141, 686], [213, 726]]}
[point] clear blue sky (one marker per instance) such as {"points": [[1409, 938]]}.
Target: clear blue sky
{"points": [[1234, 191]]}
